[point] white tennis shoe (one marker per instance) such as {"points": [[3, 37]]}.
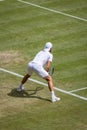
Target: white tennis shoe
{"points": [[54, 99], [19, 89]]}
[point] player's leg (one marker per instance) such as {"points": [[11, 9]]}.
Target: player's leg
{"points": [[25, 78], [50, 82], [51, 88], [44, 74]]}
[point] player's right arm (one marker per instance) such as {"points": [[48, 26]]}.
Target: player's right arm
{"points": [[48, 65]]}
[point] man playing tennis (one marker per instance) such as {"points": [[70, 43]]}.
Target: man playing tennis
{"points": [[44, 57]]}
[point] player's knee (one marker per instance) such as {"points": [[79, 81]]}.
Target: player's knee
{"points": [[48, 78]]}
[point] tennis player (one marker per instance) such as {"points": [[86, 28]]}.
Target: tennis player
{"points": [[42, 58]]}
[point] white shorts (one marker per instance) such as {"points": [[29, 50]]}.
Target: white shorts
{"points": [[34, 67]]}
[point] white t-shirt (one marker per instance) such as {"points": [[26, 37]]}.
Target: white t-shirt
{"points": [[42, 57]]}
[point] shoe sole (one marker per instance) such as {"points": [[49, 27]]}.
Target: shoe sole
{"points": [[56, 100]]}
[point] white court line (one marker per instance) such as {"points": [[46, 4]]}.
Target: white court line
{"points": [[55, 11], [76, 90], [44, 84]]}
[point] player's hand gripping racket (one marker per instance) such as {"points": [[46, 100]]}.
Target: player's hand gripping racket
{"points": [[51, 71]]}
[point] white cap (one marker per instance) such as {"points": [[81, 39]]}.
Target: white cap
{"points": [[48, 46]]}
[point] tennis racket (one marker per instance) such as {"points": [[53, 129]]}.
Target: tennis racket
{"points": [[51, 71]]}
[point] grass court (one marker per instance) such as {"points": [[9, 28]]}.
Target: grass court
{"points": [[25, 27]]}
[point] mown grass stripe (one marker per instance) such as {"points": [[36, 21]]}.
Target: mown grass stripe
{"points": [[65, 14]]}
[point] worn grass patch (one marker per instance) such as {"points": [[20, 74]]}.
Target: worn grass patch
{"points": [[10, 57]]}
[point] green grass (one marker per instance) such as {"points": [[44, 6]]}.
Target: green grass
{"points": [[24, 30]]}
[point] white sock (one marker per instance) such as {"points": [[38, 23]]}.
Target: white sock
{"points": [[52, 93], [20, 86]]}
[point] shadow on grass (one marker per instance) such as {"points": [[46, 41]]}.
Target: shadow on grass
{"points": [[27, 93]]}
